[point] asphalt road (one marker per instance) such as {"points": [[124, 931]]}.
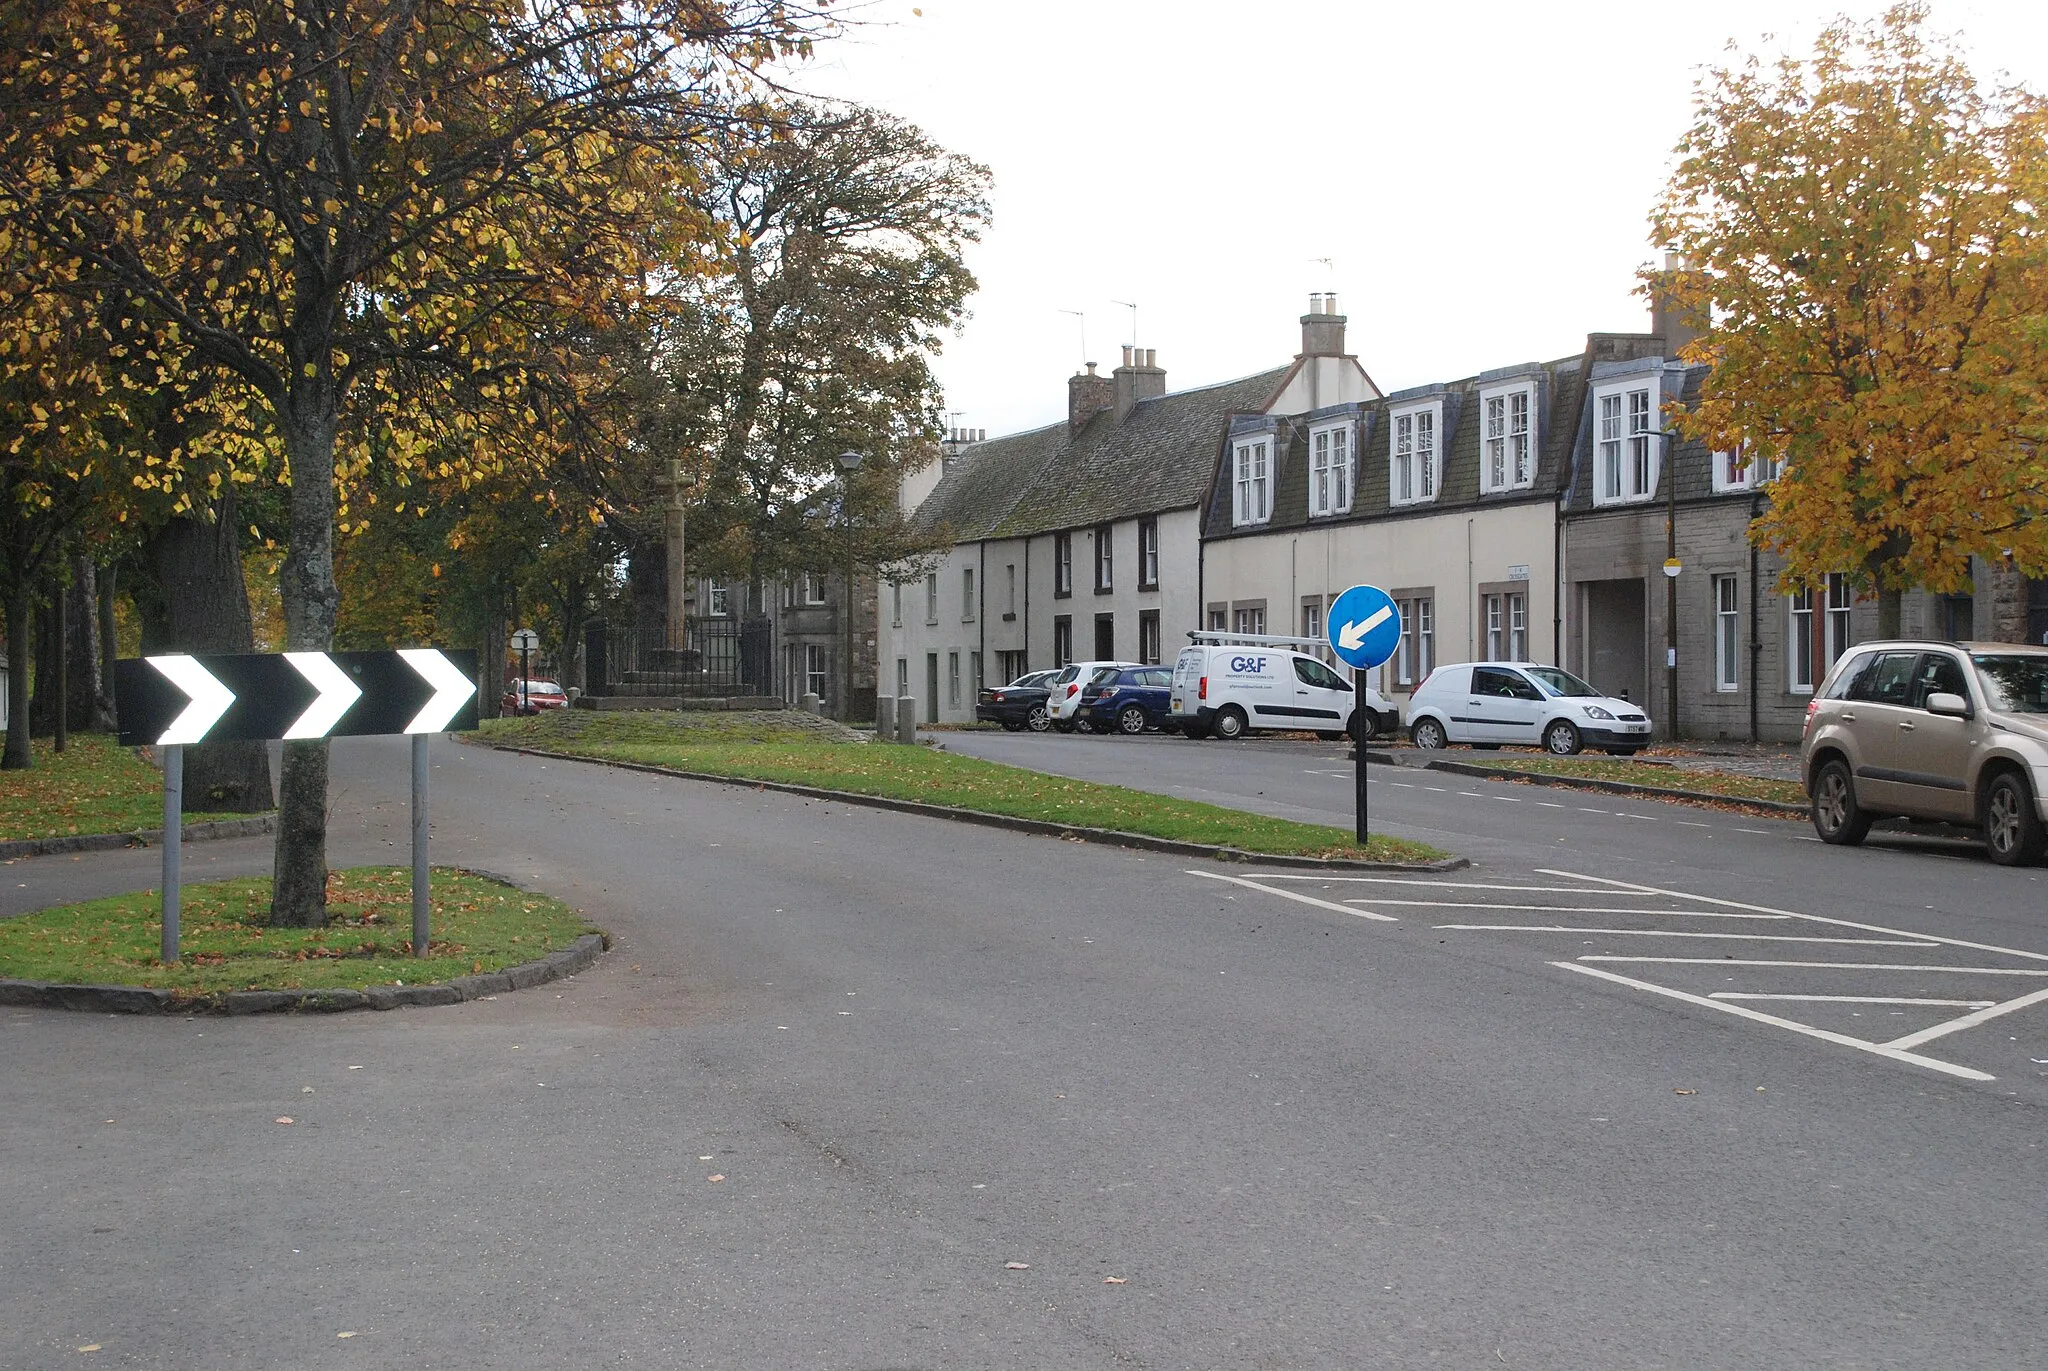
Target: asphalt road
{"points": [[860, 1090]]}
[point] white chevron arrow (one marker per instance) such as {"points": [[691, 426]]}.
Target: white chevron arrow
{"points": [[210, 699], [452, 689], [1352, 636], [337, 693]]}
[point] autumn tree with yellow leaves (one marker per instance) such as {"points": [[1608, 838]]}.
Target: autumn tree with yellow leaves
{"points": [[1862, 232], [340, 204]]}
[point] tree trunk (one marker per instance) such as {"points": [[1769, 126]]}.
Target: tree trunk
{"points": [[88, 688], [20, 610], [42, 708], [105, 716], [491, 690], [202, 605], [1890, 602], [298, 892]]}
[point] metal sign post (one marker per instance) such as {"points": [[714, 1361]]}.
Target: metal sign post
{"points": [[525, 641], [175, 700], [1365, 629]]}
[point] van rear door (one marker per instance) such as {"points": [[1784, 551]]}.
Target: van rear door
{"points": [[1187, 680]]}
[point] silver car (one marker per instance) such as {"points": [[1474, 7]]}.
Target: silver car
{"points": [[1954, 732]]}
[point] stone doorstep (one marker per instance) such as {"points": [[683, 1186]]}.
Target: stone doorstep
{"points": [[135, 999]]}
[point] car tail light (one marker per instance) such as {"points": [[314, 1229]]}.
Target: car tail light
{"points": [[1202, 691], [1072, 691], [1812, 708]]}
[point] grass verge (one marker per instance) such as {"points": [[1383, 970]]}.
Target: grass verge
{"points": [[94, 786], [767, 747], [225, 942], [1725, 784]]}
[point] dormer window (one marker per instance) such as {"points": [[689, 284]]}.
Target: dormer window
{"points": [[1414, 460], [1253, 502], [1627, 440], [1744, 469], [1331, 470], [1507, 438]]}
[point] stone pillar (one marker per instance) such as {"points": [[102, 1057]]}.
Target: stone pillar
{"points": [[906, 719], [810, 702], [885, 718]]}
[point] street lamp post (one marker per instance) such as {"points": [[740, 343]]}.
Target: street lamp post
{"points": [[849, 462]]}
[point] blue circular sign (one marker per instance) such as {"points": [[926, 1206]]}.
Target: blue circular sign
{"points": [[1365, 627]]}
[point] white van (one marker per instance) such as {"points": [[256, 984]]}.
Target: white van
{"points": [[1229, 689]]}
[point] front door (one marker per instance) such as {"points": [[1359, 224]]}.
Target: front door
{"points": [[1932, 760], [1499, 708], [1322, 698], [1105, 637]]}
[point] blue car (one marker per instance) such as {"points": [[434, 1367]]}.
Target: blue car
{"points": [[1126, 699]]}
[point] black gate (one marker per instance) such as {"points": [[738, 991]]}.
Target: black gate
{"points": [[717, 658]]}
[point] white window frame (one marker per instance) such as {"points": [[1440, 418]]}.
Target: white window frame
{"points": [[1507, 437], [1840, 627], [1332, 469], [817, 670], [1105, 557], [902, 677], [1755, 470], [896, 604], [720, 602], [967, 595], [1628, 439], [952, 680], [1249, 619], [1312, 619], [1252, 480], [1415, 449], [1727, 634], [811, 588], [931, 597], [1415, 653], [1799, 654], [1148, 553]]}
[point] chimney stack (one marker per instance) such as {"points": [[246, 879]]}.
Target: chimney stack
{"points": [[1139, 378], [1675, 324], [1322, 328], [1087, 396]]}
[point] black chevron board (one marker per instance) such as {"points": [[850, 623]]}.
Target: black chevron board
{"points": [[270, 695]]}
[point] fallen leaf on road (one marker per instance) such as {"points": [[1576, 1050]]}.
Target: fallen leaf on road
{"points": [[344, 1335], [1114, 1280], [715, 1177], [284, 1119], [1685, 1092], [1016, 1266], [90, 1347]]}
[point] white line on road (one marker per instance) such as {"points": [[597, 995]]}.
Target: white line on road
{"points": [[1565, 908], [1764, 832], [1810, 918], [1968, 1020], [1550, 804], [1690, 823], [1671, 933], [1848, 999], [1819, 966], [1291, 895], [1437, 885], [1743, 1011]]}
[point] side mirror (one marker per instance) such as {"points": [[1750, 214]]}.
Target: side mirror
{"points": [[1943, 702]]}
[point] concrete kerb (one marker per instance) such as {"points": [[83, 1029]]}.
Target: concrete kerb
{"points": [[1653, 792], [141, 837], [135, 999], [1108, 837]]}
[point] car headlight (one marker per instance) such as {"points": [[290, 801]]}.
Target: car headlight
{"points": [[1595, 712]]}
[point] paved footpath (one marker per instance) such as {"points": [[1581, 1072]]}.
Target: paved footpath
{"points": [[864, 1091]]}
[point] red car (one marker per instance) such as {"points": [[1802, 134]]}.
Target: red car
{"points": [[536, 696]]}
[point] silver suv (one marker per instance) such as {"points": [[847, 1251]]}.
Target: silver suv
{"points": [[1954, 732]]}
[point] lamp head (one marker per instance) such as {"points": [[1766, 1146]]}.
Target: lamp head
{"points": [[849, 462]]}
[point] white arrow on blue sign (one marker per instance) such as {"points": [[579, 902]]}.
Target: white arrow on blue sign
{"points": [[1365, 627]]}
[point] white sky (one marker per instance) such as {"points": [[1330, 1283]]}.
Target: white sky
{"points": [[1479, 174]]}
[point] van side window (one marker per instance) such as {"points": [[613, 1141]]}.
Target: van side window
{"points": [[1311, 672], [1487, 681]]}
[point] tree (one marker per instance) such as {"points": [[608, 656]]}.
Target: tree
{"points": [[337, 202], [1861, 232]]}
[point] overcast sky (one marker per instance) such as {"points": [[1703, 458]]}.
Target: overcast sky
{"points": [[1478, 176]]}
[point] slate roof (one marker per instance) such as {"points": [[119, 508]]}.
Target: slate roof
{"points": [[1160, 457]]}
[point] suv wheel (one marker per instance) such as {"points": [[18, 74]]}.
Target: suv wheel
{"points": [[1427, 734], [1561, 739], [1836, 815], [2012, 830], [1229, 723], [1131, 719]]}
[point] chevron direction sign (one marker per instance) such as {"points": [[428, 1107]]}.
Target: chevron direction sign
{"points": [[176, 699]]}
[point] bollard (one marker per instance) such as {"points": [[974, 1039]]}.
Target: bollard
{"points": [[885, 718], [810, 704], [906, 719]]}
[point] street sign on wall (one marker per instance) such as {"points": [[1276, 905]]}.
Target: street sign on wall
{"points": [[176, 699], [1364, 626]]}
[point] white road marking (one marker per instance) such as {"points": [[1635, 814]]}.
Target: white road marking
{"points": [[1550, 804], [1792, 1025], [1763, 831], [1471, 794], [1565, 908], [1968, 1020], [1810, 918], [1291, 895], [1511, 799], [1669, 933], [1584, 810], [1819, 966], [1402, 785], [1437, 788], [1849, 999], [1690, 823], [1426, 885]]}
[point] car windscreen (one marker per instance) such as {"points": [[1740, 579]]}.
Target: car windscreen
{"points": [[2015, 684], [1556, 682], [539, 687]]}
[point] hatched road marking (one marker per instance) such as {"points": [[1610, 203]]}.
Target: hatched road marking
{"points": [[1838, 991]]}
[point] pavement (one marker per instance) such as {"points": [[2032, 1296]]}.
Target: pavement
{"points": [[860, 1090]]}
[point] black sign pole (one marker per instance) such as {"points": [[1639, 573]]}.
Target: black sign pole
{"points": [[1359, 715], [419, 844], [174, 834]]}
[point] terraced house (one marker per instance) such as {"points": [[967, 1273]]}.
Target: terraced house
{"points": [[1081, 539]]}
